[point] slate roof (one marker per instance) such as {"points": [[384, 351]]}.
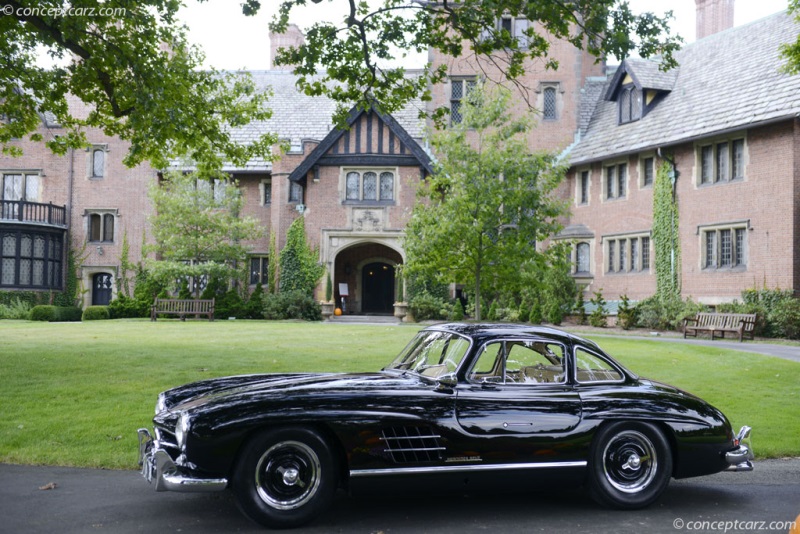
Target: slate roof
{"points": [[727, 81], [297, 117]]}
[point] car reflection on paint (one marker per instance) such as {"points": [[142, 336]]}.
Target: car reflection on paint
{"points": [[463, 405]]}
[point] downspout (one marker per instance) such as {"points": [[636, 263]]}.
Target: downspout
{"points": [[70, 193]]}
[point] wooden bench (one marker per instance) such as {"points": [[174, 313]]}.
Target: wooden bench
{"points": [[182, 308], [718, 323]]}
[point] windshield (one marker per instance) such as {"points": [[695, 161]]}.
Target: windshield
{"points": [[432, 354]]}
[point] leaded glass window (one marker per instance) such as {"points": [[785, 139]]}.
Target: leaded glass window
{"points": [[582, 258], [634, 254], [98, 163], [722, 162], [353, 186], [706, 156], [648, 171], [549, 107], [645, 253], [611, 250], [711, 238], [387, 186], [737, 159], [726, 249], [459, 89], [370, 186]]}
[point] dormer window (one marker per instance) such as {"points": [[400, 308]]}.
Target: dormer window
{"points": [[630, 104]]}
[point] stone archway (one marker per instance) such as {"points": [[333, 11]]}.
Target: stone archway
{"points": [[365, 270]]}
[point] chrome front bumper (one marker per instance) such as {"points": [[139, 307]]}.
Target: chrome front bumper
{"points": [[157, 465], [741, 458]]}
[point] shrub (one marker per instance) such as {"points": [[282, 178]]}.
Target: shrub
{"points": [[291, 305], [524, 311], [426, 307], [51, 314], [626, 314], [230, 304], [254, 307], [16, 309], [43, 312], [785, 317], [456, 312], [96, 313], [599, 314], [124, 307], [535, 316], [580, 309], [669, 314]]}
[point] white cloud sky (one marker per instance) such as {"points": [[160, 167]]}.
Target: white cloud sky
{"points": [[233, 41]]}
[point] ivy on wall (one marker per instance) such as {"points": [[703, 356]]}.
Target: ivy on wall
{"points": [[666, 241]]}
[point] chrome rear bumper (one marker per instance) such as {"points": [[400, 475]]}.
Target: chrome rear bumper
{"points": [[157, 465], [741, 458]]}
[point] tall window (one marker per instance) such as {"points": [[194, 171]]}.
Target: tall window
{"points": [[98, 163], [101, 227], [616, 177], [295, 192], [369, 186], [259, 270], [582, 258], [648, 171], [549, 109], [630, 104], [583, 185], [30, 259], [721, 162], [725, 247], [266, 191], [216, 186], [459, 89], [629, 254]]}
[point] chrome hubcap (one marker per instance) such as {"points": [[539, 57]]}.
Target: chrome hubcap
{"points": [[630, 462], [288, 475]]}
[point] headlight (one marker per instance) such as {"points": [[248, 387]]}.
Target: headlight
{"points": [[182, 429]]}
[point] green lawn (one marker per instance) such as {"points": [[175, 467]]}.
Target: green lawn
{"points": [[75, 393]]}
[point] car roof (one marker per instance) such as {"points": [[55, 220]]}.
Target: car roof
{"points": [[486, 331]]}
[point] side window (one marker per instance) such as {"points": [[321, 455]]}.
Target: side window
{"points": [[520, 362], [591, 368]]}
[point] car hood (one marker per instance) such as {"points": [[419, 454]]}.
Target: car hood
{"points": [[276, 386]]}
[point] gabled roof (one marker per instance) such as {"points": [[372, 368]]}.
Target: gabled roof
{"points": [[299, 117], [417, 152], [645, 74], [728, 81]]}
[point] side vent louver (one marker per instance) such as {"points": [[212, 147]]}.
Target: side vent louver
{"points": [[411, 444]]}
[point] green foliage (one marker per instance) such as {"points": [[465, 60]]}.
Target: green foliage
{"points": [[773, 308], [377, 32], [791, 51], [52, 314], [456, 312], [294, 304], [71, 296], [580, 308], [328, 288], [125, 266], [489, 200], [197, 228], [272, 266], [535, 316], [254, 307], [300, 270], [230, 304], [600, 313], [666, 236], [138, 78], [96, 313], [785, 317], [524, 312], [16, 309], [626, 314], [184, 292], [124, 307], [427, 307], [491, 315], [657, 314]]}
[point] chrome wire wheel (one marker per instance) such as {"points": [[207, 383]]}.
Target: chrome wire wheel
{"points": [[630, 461], [288, 475]]}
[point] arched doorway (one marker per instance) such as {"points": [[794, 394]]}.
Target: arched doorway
{"points": [[377, 283], [102, 285]]}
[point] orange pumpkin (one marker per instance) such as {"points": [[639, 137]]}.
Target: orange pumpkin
{"points": [[337, 311]]}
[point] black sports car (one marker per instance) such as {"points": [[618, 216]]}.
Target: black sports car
{"points": [[462, 407]]}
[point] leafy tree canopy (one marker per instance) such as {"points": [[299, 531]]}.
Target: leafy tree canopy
{"points": [[354, 52], [488, 204], [197, 229], [791, 51], [132, 74]]}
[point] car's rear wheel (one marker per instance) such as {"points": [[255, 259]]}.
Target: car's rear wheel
{"points": [[285, 477], [630, 465]]}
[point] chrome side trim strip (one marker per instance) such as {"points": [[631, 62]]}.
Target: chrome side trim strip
{"points": [[462, 468]]}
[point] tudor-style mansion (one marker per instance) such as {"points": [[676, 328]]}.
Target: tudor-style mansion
{"points": [[726, 120]]}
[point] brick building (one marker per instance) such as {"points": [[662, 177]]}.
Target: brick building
{"points": [[726, 118]]}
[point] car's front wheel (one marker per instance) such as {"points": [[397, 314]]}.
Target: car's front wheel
{"points": [[285, 477], [630, 465]]}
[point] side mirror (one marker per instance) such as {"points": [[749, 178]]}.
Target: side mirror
{"points": [[447, 380]]}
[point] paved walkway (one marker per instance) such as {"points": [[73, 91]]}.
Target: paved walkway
{"points": [[787, 352]]}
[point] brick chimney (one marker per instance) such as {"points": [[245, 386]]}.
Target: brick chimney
{"points": [[292, 37], [713, 16]]}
